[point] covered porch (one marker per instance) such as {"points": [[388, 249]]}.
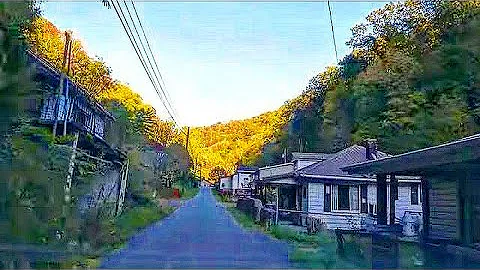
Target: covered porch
{"points": [[286, 197], [450, 189]]}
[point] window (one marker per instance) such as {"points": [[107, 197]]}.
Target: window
{"points": [[327, 198], [304, 192], [414, 194], [363, 199], [343, 198]]}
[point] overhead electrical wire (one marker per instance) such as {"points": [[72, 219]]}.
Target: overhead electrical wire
{"points": [[133, 40], [168, 98], [333, 32], [165, 99], [156, 69]]}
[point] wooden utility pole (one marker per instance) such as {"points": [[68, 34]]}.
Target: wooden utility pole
{"points": [[66, 50], [67, 110], [188, 136]]}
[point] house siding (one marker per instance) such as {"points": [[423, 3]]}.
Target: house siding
{"points": [[239, 182], [352, 219], [404, 204], [315, 197], [225, 183], [443, 217], [345, 221]]}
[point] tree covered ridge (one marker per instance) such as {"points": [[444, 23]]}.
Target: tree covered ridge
{"points": [[411, 81], [225, 145]]}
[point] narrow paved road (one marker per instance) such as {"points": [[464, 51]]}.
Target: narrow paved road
{"points": [[201, 234]]}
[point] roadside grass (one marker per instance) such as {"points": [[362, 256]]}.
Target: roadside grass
{"points": [[309, 251], [114, 233], [189, 193], [243, 219], [220, 197]]}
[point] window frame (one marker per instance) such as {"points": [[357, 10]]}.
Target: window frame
{"points": [[335, 202], [414, 187], [343, 190]]}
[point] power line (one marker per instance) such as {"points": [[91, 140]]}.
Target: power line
{"points": [[133, 41], [154, 60], [164, 92], [143, 59], [333, 32]]}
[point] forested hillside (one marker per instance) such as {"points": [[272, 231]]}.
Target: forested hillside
{"points": [[221, 146], [412, 80]]}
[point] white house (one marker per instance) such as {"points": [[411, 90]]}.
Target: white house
{"points": [[204, 183], [226, 183], [242, 180], [324, 191]]}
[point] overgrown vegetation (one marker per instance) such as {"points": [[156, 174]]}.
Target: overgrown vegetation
{"points": [[309, 251], [34, 164]]}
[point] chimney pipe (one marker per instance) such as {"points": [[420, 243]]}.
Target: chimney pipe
{"points": [[371, 148]]}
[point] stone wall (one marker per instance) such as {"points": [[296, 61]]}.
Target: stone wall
{"points": [[254, 208], [104, 193]]}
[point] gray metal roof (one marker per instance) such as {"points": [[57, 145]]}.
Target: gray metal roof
{"points": [[464, 152], [242, 168], [332, 166], [311, 156]]}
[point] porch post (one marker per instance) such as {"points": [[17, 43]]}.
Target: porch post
{"points": [[276, 207], [425, 207], [297, 198], [381, 199], [393, 197]]}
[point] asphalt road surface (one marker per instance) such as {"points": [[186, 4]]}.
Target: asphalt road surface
{"points": [[200, 234]]}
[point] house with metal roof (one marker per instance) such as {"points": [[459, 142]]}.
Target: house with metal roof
{"points": [[349, 201], [333, 197]]}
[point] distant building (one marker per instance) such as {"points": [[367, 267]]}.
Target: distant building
{"points": [[242, 180], [225, 183], [204, 183]]}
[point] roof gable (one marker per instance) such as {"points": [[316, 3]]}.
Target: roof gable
{"points": [[332, 166]]}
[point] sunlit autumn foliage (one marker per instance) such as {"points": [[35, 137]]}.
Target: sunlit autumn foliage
{"points": [[48, 42], [224, 145]]}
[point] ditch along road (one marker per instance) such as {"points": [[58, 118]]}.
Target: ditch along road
{"points": [[200, 234]]}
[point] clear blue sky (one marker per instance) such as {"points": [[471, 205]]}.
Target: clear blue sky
{"points": [[220, 61]]}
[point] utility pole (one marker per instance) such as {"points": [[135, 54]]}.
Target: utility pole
{"points": [[62, 78], [67, 110], [200, 173], [188, 136]]}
